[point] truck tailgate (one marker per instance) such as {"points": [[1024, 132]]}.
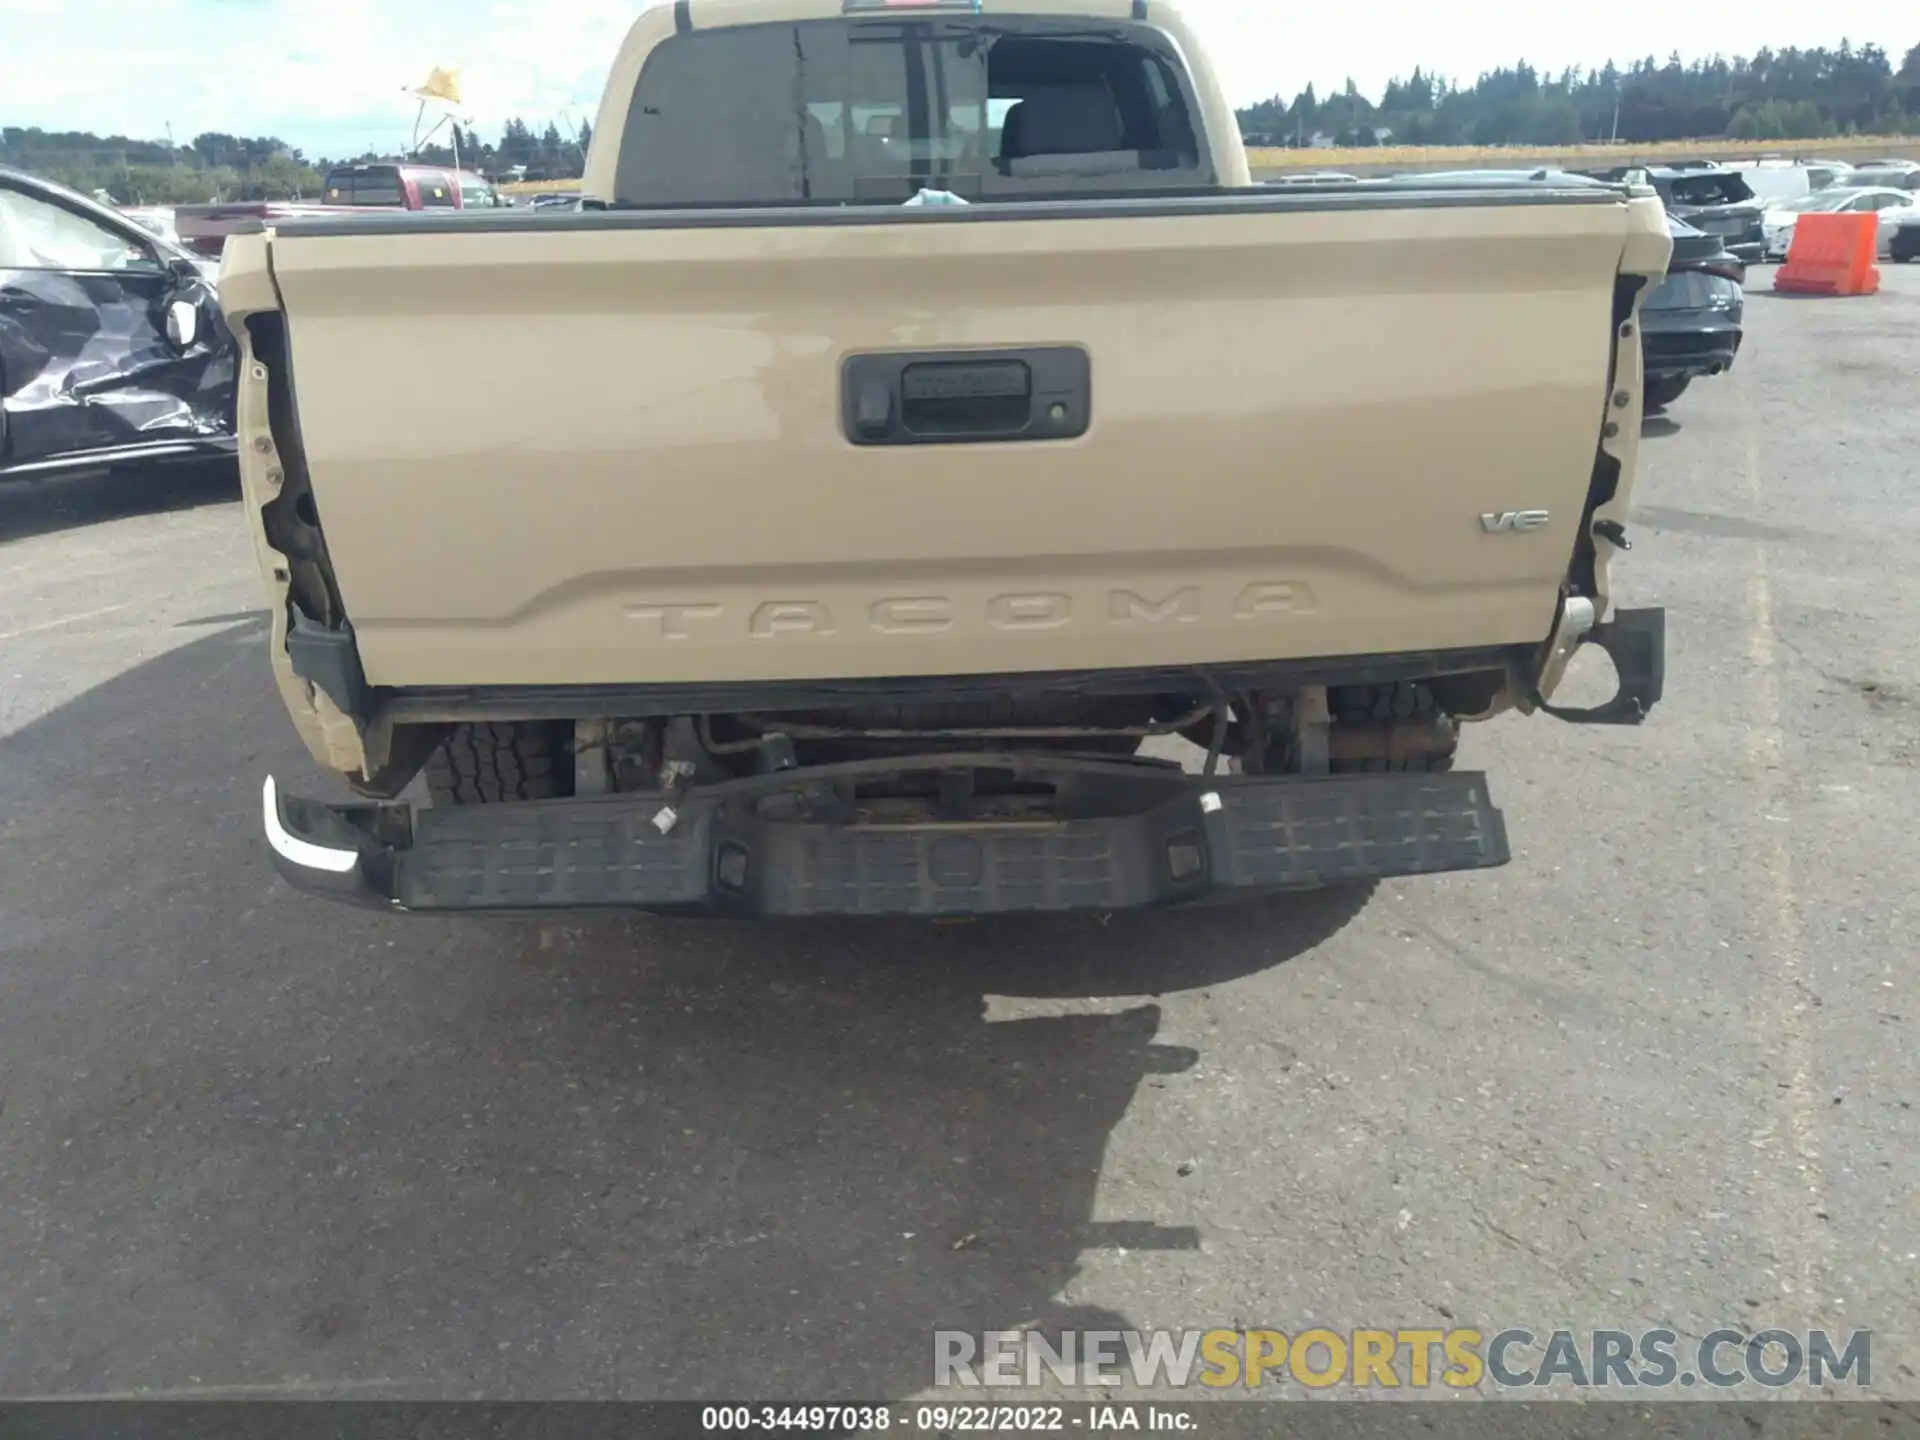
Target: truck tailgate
{"points": [[609, 448]]}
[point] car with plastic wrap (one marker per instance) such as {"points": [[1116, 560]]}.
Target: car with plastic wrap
{"points": [[113, 350], [924, 426]]}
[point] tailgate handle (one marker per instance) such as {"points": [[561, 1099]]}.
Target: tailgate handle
{"points": [[948, 398]]}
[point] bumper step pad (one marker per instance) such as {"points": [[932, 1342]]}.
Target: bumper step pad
{"points": [[551, 856], [1238, 833]]}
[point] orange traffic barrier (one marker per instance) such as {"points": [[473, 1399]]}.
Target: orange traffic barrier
{"points": [[1831, 255]]}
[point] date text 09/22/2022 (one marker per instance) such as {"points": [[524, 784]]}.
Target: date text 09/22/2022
{"points": [[948, 1419]]}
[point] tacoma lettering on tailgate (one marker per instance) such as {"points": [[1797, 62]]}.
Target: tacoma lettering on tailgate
{"points": [[1009, 613]]}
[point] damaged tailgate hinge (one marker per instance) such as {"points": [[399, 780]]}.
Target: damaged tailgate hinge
{"points": [[1634, 640]]}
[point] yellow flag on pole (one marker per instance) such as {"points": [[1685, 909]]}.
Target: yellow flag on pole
{"points": [[441, 84]]}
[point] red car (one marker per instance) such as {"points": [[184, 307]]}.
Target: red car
{"points": [[388, 185], [407, 187]]}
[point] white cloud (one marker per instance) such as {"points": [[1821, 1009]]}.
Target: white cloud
{"points": [[320, 73], [328, 75]]}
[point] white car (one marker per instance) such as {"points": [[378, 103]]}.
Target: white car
{"points": [[1775, 183], [1905, 176], [1890, 204], [157, 220], [154, 219]]}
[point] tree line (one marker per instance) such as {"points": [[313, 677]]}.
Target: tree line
{"points": [[549, 154], [217, 166], [1786, 94], [1789, 94]]}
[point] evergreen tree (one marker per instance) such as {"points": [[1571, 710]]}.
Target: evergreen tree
{"points": [[1785, 94]]}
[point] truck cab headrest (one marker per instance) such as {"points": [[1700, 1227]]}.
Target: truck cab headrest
{"points": [[1067, 120]]}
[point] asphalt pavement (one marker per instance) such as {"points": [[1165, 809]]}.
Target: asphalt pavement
{"points": [[1661, 1070]]}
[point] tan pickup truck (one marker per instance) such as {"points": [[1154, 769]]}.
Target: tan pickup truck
{"points": [[925, 412]]}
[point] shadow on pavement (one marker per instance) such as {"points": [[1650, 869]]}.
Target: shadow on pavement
{"points": [[251, 1138], [1769, 293], [40, 507], [1143, 953]]}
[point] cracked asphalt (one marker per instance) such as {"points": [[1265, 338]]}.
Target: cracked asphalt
{"points": [[1662, 1070]]}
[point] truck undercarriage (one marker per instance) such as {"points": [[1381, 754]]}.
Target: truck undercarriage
{"points": [[930, 797]]}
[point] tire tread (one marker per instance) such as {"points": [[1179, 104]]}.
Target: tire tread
{"points": [[496, 762]]}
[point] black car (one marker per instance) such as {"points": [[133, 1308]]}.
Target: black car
{"points": [[113, 351], [1905, 244], [1690, 323], [1718, 202]]}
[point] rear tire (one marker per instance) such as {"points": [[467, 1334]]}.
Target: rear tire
{"points": [[1364, 705], [495, 763], [1663, 390]]}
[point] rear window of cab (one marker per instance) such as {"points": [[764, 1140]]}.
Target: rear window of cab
{"points": [[870, 111], [375, 187]]}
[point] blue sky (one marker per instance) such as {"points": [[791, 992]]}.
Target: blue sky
{"points": [[327, 75]]}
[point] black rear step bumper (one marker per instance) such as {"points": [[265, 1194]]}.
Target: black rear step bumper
{"points": [[1194, 837]]}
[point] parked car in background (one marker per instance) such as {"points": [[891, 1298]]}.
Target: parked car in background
{"points": [[1315, 177], [398, 186], [1788, 162], [155, 219], [204, 229], [388, 185], [478, 193], [1691, 323], [113, 351], [1890, 204], [1904, 244], [1897, 175], [1774, 181], [1553, 178], [1719, 202]]}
